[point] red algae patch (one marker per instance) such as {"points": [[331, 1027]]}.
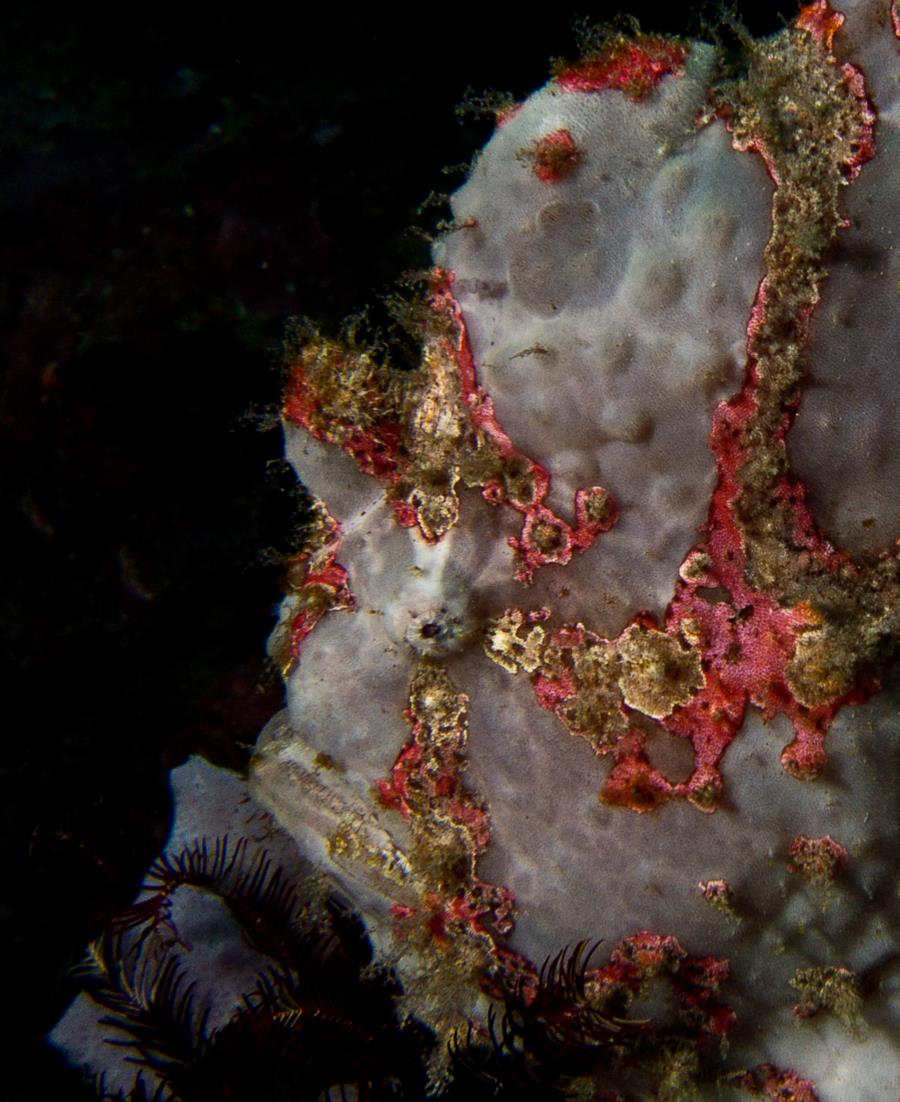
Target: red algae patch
{"points": [[554, 157], [818, 860], [634, 66]]}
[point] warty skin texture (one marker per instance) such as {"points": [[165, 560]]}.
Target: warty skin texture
{"points": [[573, 292], [473, 652]]}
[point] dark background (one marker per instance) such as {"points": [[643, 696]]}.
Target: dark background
{"points": [[173, 186]]}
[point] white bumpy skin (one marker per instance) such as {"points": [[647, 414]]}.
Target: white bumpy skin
{"points": [[608, 311], [607, 303], [607, 314]]}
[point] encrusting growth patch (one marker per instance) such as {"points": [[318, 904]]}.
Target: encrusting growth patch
{"points": [[606, 248], [659, 673], [415, 849], [553, 157], [720, 897], [801, 628], [809, 118], [315, 583], [818, 860], [454, 927], [424, 431], [832, 989], [594, 686], [632, 64], [765, 610]]}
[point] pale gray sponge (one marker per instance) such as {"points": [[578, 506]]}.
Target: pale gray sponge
{"points": [[608, 310]]}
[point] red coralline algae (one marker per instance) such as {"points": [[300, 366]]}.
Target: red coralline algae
{"points": [[306, 402], [545, 537], [821, 20], [817, 859], [426, 787], [633, 66], [766, 619], [579, 515], [778, 1085], [749, 641], [387, 448], [695, 981], [554, 157], [319, 583]]}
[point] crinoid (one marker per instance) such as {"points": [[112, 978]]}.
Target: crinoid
{"points": [[585, 616], [150, 1004], [551, 1031], [250, 884], [313, 1017], [576, 1024]]}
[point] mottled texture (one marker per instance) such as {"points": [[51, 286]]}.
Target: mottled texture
{"points": [[616, 712], [848, 428], [607, 307], [608, 311]]}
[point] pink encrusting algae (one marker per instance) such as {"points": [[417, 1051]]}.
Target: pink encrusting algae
{"points": [[579, 515], [634, 66], [696, 669], [746, 624], [554, 157], [504, 474]]}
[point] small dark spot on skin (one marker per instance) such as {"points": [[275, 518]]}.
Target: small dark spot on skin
{"points": [[430, 630], [868, 522]]}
